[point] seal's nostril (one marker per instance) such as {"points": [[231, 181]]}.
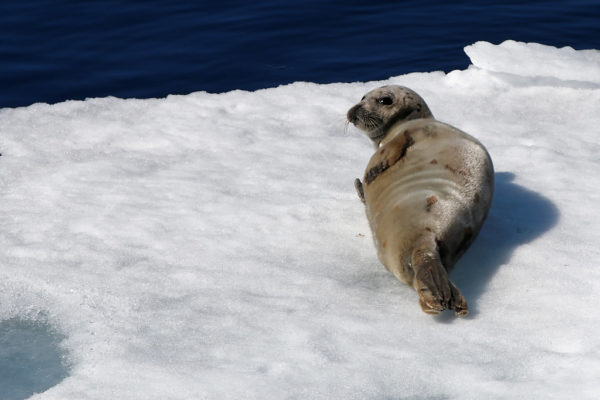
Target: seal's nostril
{"points": [[353, 114]]}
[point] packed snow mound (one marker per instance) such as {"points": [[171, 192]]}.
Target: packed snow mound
{"points": [[212, 246], [534, 59]]}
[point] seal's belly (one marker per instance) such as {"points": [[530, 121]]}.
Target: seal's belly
{"points": [[424, 183], [432, 182], [415, 188]]}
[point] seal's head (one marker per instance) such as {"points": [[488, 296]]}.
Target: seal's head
{"points": [[381, 108]]}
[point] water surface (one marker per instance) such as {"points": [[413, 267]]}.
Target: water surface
{"points": [[52, 51]]}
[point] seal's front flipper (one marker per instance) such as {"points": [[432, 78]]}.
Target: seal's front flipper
{"points": [[359, 190], [388, 155]]}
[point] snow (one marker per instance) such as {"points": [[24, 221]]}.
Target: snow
{"points": [[212, 246]]}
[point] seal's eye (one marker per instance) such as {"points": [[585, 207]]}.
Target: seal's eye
{"points": [[363, 98], [386, 101]]}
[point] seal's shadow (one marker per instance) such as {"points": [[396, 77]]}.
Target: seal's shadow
{"points": [[517, 216]]}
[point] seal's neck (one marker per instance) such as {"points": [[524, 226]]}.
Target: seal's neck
{"points": [[409, 114], [396, 128]]}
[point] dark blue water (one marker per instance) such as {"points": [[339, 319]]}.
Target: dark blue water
{"points": [[52, 51]]}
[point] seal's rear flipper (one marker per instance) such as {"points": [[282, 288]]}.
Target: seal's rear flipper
{"points": [[436, 292]]}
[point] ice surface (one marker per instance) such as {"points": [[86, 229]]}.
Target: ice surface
{"points": [[211, 246], [538, 60]]}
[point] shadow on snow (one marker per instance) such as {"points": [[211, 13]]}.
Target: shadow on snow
{"points": [[518, 216]]}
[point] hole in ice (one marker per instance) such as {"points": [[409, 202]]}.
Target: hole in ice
{"points": [[31, 359]]}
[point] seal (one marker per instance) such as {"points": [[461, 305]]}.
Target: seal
{"points": [[427, 190]]}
